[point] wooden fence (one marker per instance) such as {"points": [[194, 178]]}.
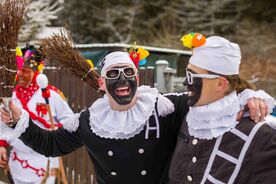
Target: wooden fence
{"points": [[78, 166]]}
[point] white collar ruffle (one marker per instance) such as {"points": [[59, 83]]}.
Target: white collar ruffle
{"points": [[212, 120], [108, 123]]}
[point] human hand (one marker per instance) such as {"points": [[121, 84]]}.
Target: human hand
{"points": [[257, 109], [12, 116], [3, 157]]}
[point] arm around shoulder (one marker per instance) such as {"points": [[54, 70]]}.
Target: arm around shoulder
{"points": [[51, 143]]}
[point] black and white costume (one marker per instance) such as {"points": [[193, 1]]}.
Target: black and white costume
{"points": [[221, 150], [133, 146]]}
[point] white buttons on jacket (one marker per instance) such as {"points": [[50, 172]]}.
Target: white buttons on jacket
{"points": [[144, 172], [194, 159], [189, 177], [110, 153], [141, 151], [194, 142]]}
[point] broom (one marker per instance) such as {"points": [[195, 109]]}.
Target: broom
{"points": [[12, 13], [60, 49]]}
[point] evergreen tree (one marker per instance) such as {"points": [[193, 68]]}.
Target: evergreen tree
{"points": [[40, 14]]}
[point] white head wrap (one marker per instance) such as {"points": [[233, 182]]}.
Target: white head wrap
{"points": [[117, 57], [217, 55]]}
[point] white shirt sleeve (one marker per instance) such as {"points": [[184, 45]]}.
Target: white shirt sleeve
{"points": [[60, 107]]}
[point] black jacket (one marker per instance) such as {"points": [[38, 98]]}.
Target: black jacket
{"points": [[191, 157], [136, 160]]}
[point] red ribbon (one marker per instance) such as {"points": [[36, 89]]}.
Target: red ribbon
{"points": [[4, 143]]}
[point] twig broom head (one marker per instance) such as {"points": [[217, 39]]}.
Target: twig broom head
{"points": [[12, 13], [61, 50]]}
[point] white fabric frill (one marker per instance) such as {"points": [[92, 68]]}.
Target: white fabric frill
{"points": [[10, 134], [246, 94], [212, 120], [71, 124], [108, 123]]}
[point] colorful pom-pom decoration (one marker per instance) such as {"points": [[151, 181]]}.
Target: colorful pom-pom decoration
{"points": [[138, 55], [135, 57], [18, 52], [19, 62], [193, 40], [143, 53], [142, 62]]}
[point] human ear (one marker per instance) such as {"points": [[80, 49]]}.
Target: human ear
{"points": [[222, 84], [101, 84], [137, 78]]}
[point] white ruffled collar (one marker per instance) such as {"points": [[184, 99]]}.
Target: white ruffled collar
{"points": [[212, 120], [108, 123]]}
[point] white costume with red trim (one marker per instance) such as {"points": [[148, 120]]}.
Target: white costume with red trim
{"points": [[26, 165]]}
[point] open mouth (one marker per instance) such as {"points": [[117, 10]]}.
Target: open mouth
{"points": [[123, 91], [20, 81]]}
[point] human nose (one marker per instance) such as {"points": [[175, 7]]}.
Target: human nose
{"points": [[122, 76], [20, 73]]}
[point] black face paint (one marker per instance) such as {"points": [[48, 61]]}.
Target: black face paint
{"points": [[194, 88], [122, 81]]}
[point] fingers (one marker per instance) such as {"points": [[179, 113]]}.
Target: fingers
{"points": [[4, 112], [257, 117], [4, 164], [5, 116], [240, 115], [5, 157], [258, 109], [16, 111], [263, 109], [252, 108], [3, 160], [12, 106]]}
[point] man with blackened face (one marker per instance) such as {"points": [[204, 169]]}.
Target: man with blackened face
{"points": [[197, 81], [214, 146], [119, 81]]}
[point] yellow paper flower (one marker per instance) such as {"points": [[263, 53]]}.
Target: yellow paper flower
{"points": [[18, 52], [90, 62], [193, 40], [143, 53], [187, 40]]}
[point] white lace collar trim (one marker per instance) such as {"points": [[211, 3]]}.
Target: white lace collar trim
{"points": [[212, 120], [108, 123]]}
